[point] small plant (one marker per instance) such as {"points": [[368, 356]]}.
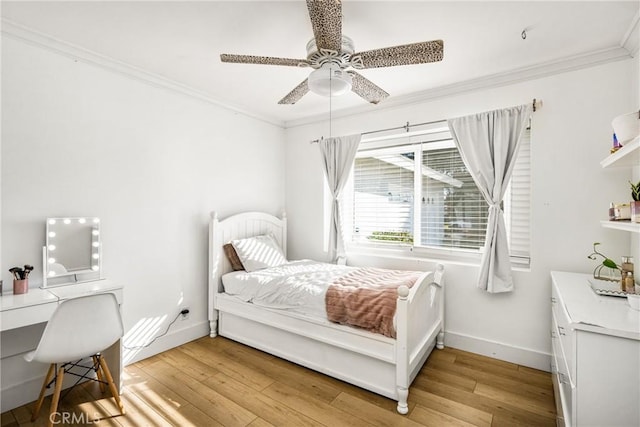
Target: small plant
{"points": [[635, 191], [606, 262]]}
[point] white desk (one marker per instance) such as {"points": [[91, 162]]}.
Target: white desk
{"points": [[17, 311], [19, 317]]}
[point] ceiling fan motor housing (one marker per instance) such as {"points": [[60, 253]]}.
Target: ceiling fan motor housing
{"points": [[318, 57]]}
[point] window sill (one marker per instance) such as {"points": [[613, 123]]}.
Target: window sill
{"points": [[408, 253]]}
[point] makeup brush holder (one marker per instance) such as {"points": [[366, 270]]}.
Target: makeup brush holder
{"points": [[20, 286]]}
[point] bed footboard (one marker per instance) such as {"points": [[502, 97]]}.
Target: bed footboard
{"points": [[419, 328]]}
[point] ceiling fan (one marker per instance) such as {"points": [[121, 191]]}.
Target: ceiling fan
{"points": [[331, 55]]}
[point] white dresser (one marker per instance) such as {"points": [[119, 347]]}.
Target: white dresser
{"points": [[595, 355]]}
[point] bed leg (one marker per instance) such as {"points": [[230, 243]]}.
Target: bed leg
{"points": [[403, 395], [213, 328], [440, 340]]}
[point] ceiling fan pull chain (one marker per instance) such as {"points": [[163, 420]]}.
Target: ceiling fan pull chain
{"points": [[330, 99]]}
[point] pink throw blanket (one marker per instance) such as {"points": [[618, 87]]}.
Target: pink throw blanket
{"points": [[366, 298]]}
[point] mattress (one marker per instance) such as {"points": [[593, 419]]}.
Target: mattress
{"points": [[298, 286], [360, 297]]}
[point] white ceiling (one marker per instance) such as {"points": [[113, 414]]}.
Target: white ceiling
{"points": [[181, 41]]}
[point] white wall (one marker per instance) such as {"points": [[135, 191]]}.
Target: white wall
{"points": [[78, 140], [570, 195]]}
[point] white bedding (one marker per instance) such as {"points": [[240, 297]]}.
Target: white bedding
{"points": [[298, 286]]}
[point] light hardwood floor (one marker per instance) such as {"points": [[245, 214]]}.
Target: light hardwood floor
{"points": [[217, 382]]}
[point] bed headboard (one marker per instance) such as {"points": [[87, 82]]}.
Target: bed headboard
{"points": [[238, 226]]}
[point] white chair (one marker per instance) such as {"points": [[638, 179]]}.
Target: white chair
{"points": [[80, 328]]}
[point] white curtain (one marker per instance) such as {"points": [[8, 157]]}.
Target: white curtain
{"points": [[488, 144], [338, 154]]}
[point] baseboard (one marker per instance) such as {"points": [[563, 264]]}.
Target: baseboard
{"points": [[164, 343], [18, 395], [509, 353]]}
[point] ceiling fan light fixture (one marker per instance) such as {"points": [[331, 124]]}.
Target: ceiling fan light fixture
{"points": [[329, 80]]}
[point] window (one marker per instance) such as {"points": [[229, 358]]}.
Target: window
{"points": [[416, 192]]}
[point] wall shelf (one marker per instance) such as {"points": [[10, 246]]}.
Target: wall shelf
{"points": [[622, 225], [627, 156]]}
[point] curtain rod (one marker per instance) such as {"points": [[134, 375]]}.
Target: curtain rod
{"points": [[537, 103]]}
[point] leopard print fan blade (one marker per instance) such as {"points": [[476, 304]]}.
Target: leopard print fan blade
{"points": [[415, 53], [263, 60], [326, 19], [366, 89], [296, 94]]}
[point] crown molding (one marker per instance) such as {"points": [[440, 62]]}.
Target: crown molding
{"points": [[20, 32], [517, 75], [631, 39], [628, 48]]}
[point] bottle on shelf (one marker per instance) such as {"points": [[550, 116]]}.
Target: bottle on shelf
{"points": [[616, 145], [627, 275], [629, 283], [612, 212]]}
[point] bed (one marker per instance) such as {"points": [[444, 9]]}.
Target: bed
{"points": [[378, 363]]}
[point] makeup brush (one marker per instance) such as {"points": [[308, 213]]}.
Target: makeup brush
{"points": [[17, 272], [27, 269]]}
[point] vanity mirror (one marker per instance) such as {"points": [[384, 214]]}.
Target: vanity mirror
{"points": [[72, 252]]}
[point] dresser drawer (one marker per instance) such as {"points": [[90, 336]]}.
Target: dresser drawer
{"points": [[564, 395], [566, 392], [560, 420], [25, 316], [564, 333], [556, 388], [563, 388]]}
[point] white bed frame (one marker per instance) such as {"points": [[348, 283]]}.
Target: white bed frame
{"points": [[374, 362]]}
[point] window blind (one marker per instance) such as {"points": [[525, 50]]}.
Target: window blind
{"points": [[454, 213], [417, 192], [383, 198], [518, 202]]}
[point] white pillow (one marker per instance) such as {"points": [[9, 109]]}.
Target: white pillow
{"points": [[259, 252]]}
